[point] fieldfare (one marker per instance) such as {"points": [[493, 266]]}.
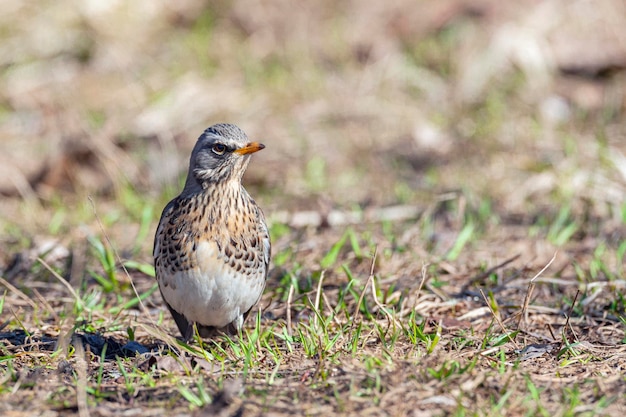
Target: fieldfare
{"points": [[212, 246]]}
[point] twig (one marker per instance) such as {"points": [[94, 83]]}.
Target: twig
{"points": [[486, 273], [422, 281], [371, 281], [390, 316], [318, 298], [17, 292], [495, 316], [62, 280], [569, 314], [529, 291], [45, 303], [81, 370], [369, 278], [15, 316], [289, 301], [549, 326], [64, 336], [419, 288], [330, 310]]}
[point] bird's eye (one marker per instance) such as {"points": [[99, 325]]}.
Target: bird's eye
{"points": [[219, 149]]}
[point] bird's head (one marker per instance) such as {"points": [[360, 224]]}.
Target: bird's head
{"points": [[221, 155]]}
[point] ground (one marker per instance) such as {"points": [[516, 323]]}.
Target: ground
{"points": [[444, 182]]}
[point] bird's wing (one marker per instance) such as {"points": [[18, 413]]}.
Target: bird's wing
{"points": [[265, 240], [165, 215]]}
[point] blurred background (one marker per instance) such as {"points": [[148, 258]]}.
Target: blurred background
{"points": [[516, 106], [465, 142]]}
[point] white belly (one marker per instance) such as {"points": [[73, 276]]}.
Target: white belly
{"points": [[212, 294]]}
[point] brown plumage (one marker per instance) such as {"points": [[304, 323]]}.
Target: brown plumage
{"points": [[212, 246]]}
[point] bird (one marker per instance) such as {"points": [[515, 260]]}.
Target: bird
{"points": [[212, 245]]}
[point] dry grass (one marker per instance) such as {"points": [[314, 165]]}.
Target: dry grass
{"points": [[445, 183]]}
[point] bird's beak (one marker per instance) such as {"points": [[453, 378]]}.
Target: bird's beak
{"points": [[251, 147]]}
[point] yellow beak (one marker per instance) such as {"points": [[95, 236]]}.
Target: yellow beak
{"points": [[251, 147]]}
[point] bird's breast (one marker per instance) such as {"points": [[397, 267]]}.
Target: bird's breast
{"points": [[212, 293]]}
